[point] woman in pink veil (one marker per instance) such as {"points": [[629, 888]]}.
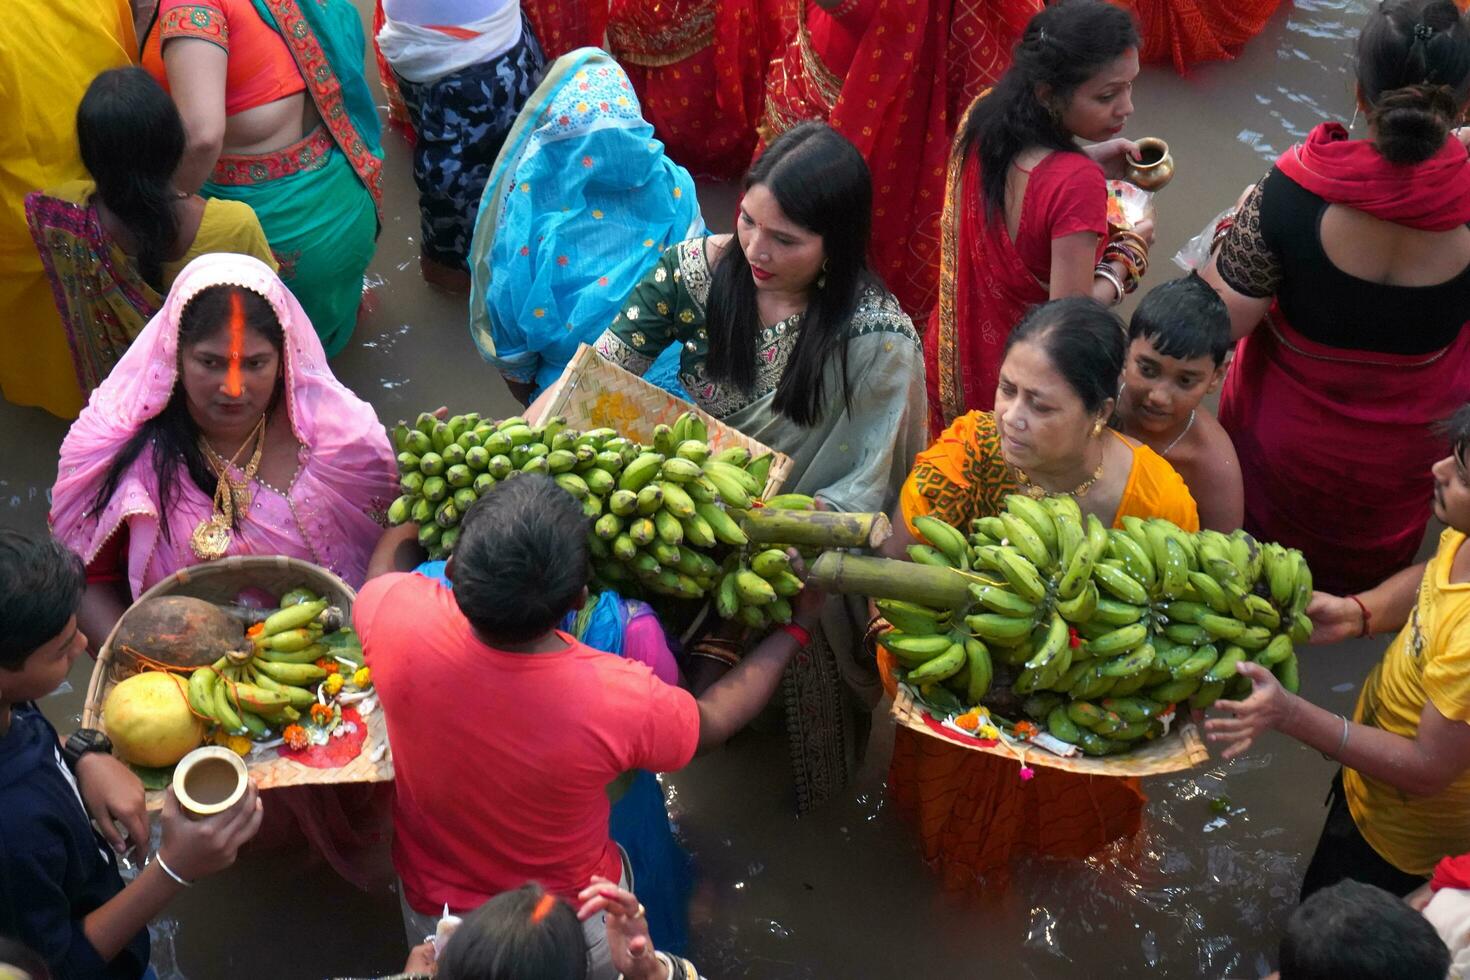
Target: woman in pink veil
{"points": [[222, 432]]}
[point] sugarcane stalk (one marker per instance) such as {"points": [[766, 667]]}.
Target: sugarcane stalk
{"points": [[887, 578], [815, 528]]}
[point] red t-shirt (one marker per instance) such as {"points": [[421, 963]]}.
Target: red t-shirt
{"points": [[1066, 194], [502, 760]]}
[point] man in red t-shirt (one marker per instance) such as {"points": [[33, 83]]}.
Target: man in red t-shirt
{"points": [[505, 731]]}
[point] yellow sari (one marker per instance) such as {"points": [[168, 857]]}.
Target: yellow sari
{"points": [[49, 54]]}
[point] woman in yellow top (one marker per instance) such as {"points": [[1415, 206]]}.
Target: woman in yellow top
{"points": [[1401, 801], [49, 52], [113, 245], [1048, 435]]}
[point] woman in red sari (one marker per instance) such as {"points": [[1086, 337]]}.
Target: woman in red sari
{"points": [[1025, 211], [1347, 275], [897, 94]]}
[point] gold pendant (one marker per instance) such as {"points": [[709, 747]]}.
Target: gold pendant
{"points": [[1035, 492], [211, 539]]}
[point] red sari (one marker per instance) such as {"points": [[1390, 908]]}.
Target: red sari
{"points": [[698, 66], [1335, 444], [1184, 32], [894, 77], [985, 283]]}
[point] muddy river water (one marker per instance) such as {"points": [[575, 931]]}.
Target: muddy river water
{"points": [[842, 892]]}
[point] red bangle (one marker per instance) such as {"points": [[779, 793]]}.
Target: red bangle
{"points": [[1367, 616], [802, 637]]}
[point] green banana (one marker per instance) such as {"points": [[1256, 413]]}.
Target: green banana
{"points": [[1117, 641], [912, 650], [724, 528], [676, 500], [637, 474], [1114, 613], [996, 599], [1129, 664], [1021, 573], [939, 668], [911, 618], [1038, 518], [1224, 669], [294, 674], [1059, 725], [1275, 652], [949, 541], [1052, 645], [767, 564], [1119, 583], [981, 670], [1025, 540], [1082, 607], [998, 628], [754, 590], [1200, 661], [923, 554]]}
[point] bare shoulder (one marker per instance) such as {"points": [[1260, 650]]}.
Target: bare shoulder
{"points": [[1212, 451]]}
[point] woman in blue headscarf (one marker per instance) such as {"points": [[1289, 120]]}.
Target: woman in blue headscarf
{"points": [[580, 205]]}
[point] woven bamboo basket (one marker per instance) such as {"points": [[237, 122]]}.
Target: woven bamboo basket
{"points": [[1181, 749], [593, 392], [221, 581]]}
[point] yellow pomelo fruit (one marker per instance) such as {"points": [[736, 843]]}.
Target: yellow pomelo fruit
{"points": [[148, 719]]}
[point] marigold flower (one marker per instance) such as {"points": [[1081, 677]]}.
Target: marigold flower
{"points": [[333, 684], [329, 665], [238, 744], [1024, 729], [362, 677], [295, 737], [321, 714], [969, 721]]}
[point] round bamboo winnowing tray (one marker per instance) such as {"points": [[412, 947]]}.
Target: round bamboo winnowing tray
{"points": [[220, 581]]}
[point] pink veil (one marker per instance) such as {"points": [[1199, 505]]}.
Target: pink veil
{"points": [[343, 486]]}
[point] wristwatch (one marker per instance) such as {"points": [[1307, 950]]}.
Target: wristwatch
{"points": [[82, 741]]}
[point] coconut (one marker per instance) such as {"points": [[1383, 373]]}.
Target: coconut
{"points": [[176, 630], [149, 721]]}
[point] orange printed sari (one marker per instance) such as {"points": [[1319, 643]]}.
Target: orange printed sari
{"points": [[972, 811], [1185, 32]]}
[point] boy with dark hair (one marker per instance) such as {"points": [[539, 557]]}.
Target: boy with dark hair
{"points": [[60, 891], [1355, 931], [1177, 342], [506, 732]]}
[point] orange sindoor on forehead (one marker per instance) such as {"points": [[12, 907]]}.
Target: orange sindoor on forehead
{"points": [[233, 386]]}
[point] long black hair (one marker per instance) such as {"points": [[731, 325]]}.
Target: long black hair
{"points": [[1414, 74], [132, 140], [1084, 341], [822, 184], [1062, 47], [172, 432]]}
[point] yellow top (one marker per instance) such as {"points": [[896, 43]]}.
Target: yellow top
{"points": [[49, 54], [1428, 662], [963, 476]]}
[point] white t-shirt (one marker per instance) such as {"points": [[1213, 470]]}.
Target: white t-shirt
{"points": [[443, 13]]}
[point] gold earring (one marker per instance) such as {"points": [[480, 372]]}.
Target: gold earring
{"points": [[822, 278], [1097, 428]]}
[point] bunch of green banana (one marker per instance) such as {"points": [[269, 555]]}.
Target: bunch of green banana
{"points": [[1104, 629], [934, 648], [665, 518], [259, 690]]}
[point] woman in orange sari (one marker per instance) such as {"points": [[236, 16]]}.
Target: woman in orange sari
{"points": [[897, 94], [1047, 435]]}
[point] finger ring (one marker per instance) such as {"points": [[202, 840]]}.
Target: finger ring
{"points": [[639, 913]]}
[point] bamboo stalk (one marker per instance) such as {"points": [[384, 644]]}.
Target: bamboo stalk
{"points": [[815, 528], [887, 578]]}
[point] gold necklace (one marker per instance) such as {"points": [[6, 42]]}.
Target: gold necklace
{"points": [[1036, 491], [211, 539]]}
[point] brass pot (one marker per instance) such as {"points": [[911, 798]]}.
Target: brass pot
{"points": [[1154, 167]]}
